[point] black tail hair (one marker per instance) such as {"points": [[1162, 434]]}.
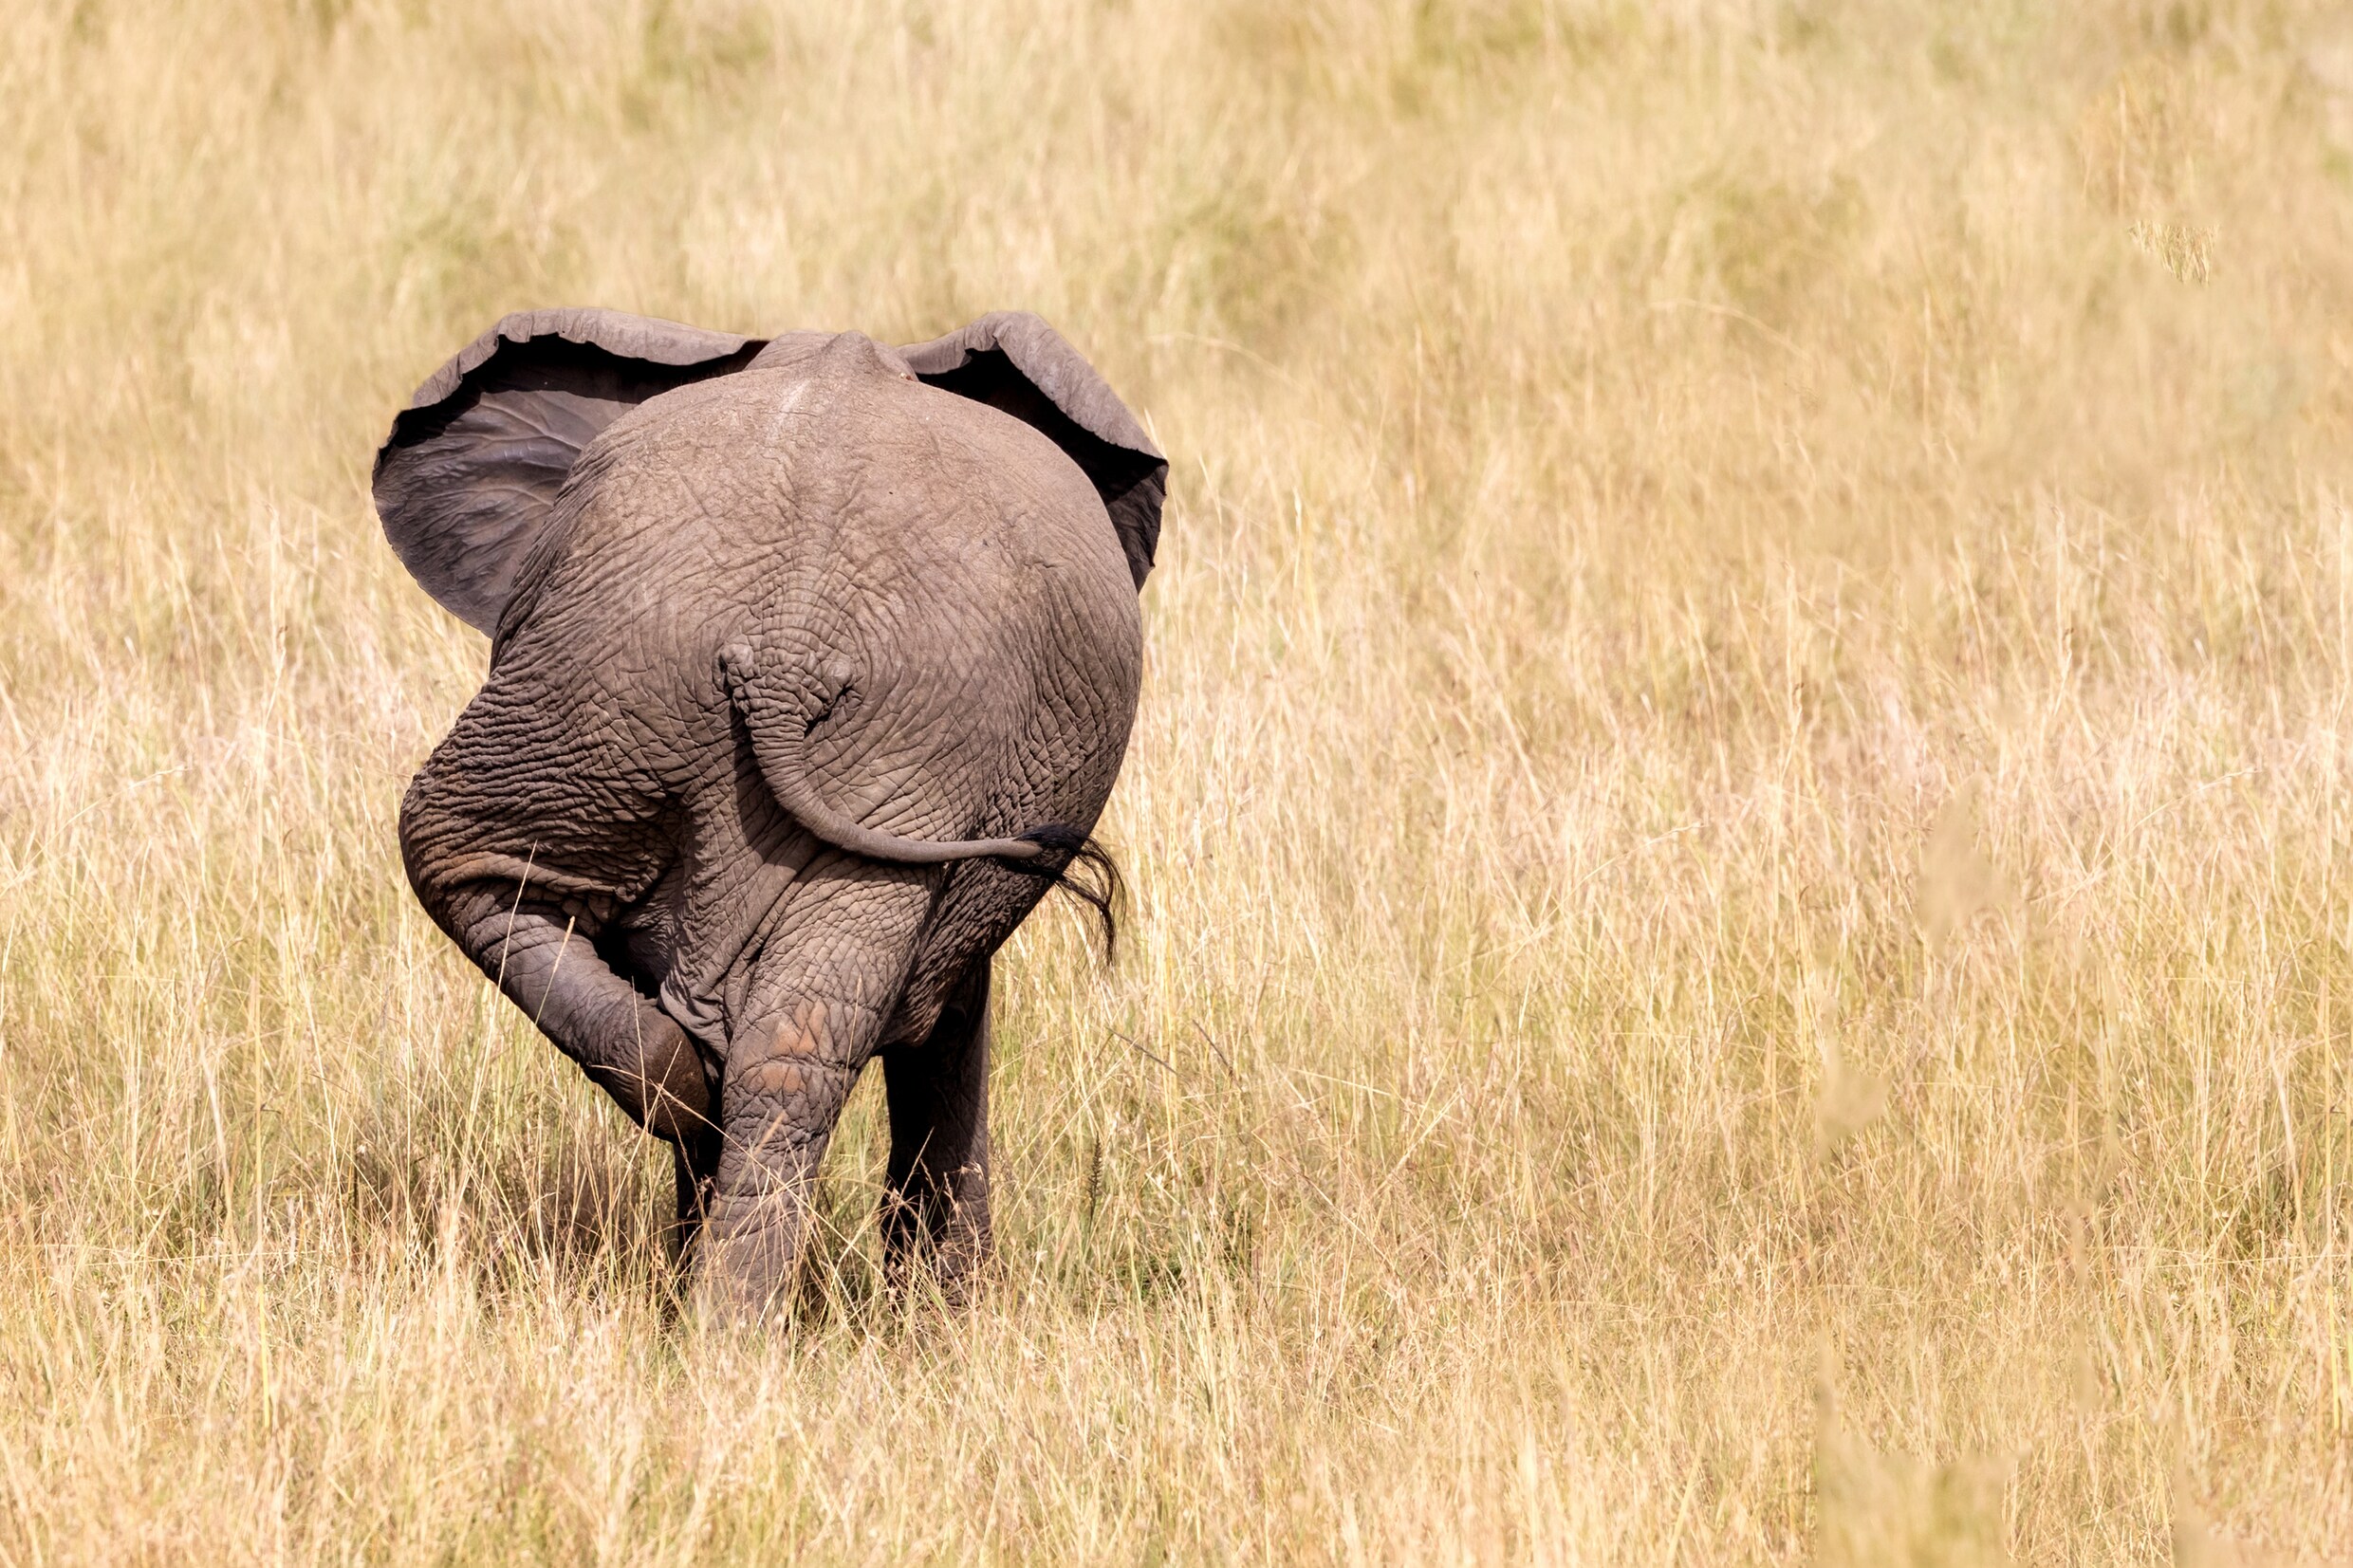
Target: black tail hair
{"points": [[1069, 850]]}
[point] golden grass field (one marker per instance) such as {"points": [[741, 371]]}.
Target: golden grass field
{"points": [[1740, 945]]}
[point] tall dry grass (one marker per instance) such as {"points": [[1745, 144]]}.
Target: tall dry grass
{"points": [[1739, 829]]}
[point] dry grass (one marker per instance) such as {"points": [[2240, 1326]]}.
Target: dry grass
{"points": [[1741, 949]]}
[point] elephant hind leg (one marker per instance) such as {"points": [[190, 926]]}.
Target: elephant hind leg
{"points": [[623, 1041], [819, 996], [935, 1201], [549, 968]]}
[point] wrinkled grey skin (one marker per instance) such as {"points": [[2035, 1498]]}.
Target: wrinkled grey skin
{"points": [[783, 633]]}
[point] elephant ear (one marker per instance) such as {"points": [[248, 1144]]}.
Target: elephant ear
{"points": [[1012, 360], [468, 478]]}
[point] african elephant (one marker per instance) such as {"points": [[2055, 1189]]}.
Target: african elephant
{"points": [[812, 664]]}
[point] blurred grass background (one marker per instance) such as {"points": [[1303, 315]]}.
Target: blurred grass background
{"points": [[1739, 830]]}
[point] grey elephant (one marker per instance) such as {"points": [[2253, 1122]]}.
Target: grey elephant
{"points": [[812, 665]]}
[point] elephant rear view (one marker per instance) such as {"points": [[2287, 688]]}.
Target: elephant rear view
{"points": [[812, 666]]}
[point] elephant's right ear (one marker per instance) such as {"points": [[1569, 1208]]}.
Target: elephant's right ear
{"points": [[469, 473]]}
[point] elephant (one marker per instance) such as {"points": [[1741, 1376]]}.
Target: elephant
{"points": [[812, 665]]}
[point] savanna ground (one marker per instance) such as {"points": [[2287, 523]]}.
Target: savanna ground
{"points": [[1739, 947]]}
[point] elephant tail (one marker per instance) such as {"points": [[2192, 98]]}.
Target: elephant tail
{"points": [[784, 765], [1062, 855], [780, 742]]}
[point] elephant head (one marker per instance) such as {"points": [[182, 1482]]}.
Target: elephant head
{"points": [[813, 664]]}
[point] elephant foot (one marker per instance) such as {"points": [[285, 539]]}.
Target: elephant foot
{"points": [[939, 1242], [747, 1258]]}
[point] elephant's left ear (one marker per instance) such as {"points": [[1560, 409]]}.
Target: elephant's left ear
{"points": [[1012, 360], [469, 473]]}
